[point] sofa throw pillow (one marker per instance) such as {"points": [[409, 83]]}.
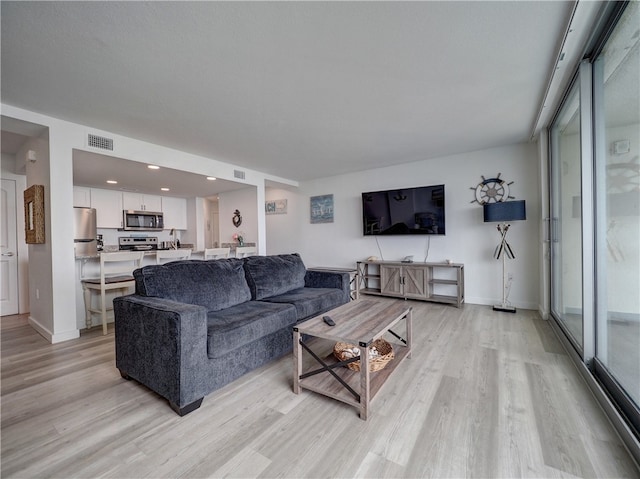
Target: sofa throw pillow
{"points": [[216, 284], [273, 275]]}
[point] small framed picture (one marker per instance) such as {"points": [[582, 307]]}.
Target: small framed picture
{"points": [[275, 207], [321, 209]]}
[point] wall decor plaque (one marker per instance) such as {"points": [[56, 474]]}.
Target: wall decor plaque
{"points": [[321, 209], [275, 207], [34, 214]]}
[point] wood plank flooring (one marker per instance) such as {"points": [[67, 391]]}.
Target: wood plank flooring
{"points": [[485, 394]]}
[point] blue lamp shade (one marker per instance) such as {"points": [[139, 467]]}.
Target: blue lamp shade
{"points": [[504, 211]]}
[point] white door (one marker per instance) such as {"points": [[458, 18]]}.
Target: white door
{"points": [[8, 249]]}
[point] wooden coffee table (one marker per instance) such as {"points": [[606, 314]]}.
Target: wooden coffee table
{"points": [[359, 322]]}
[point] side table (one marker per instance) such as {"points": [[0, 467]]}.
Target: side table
{"points": [[354, 283]]}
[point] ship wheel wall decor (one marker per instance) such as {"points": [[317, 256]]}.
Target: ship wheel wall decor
{"points": [[491, 190]]}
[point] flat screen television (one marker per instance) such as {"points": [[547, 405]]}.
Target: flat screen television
{"points": [[404, 211]]}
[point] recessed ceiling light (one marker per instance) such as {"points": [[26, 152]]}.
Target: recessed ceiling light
{"points": [[211, 178], [112, 182], [153, 167], [164, 189]]}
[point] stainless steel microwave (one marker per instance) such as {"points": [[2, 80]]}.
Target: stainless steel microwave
{"points": [[142, 220]]}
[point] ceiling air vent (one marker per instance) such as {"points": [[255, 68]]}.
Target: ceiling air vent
{"points": [[101, 142], [238, 174]]}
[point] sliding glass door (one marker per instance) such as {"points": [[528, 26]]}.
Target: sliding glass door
{"points": [[617, 178], [595, 213], [566, 218]]}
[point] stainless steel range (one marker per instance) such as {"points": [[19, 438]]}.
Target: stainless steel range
{"points": [[138, 244]]}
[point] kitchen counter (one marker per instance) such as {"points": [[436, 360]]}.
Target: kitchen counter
{"points": [[146, 253], [88, 266], [152, 253]]}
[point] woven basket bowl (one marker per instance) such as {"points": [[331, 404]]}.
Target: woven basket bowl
{"points": [[376, 363]]}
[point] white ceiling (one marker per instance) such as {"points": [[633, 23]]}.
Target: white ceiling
{"points": [[300, 90], [91, 169]]}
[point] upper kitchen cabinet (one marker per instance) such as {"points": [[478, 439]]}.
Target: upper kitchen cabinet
{"points": [[175, 212], [82, 196], [108, 205], [139, 202]]}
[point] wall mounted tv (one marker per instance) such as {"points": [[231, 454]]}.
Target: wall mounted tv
{"points": [[404, 211]]}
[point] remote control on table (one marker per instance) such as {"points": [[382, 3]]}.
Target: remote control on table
{"points": [[328, 320]]}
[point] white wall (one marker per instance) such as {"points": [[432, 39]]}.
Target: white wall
{"points": [[341, 243], [55, 274], [243, 200], [468, 240], [40, 265]]}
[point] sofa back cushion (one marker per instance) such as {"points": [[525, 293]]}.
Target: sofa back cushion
{"points": [[273, 275], [215, 284]]}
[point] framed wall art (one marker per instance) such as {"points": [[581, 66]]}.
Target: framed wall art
{"points": [[321, 209], [34, 214], [275, 207]]}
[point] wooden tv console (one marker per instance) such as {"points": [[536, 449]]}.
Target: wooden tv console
{"points": [[437, 282]]}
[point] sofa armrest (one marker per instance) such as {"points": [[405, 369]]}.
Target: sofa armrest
{"points": [[329, 279], [163, 345]]}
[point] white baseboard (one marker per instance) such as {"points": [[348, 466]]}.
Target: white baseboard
{"points": [[544, 314], [492, 301], [49, 336]]}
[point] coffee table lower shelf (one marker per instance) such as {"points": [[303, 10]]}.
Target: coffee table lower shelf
{"points": [[327, 385], [358, 322]]}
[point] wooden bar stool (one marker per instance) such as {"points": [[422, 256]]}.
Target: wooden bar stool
{"points": [[215, 253], [115, 274], [166, 256], [244, 251]]}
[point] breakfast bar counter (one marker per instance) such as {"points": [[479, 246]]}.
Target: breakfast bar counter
{"points": [[88, 266]]}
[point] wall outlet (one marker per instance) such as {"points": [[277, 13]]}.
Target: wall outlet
{"points": [[37, 293]]}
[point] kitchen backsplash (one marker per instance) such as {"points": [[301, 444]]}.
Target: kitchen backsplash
{"points": [[110, 236]]}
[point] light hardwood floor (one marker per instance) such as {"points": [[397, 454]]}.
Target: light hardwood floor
{"points": [[485, 394]]}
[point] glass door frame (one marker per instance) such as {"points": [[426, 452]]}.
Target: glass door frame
{"points": [[583, 81]]}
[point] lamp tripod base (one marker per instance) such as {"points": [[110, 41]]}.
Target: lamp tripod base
{"points": [[504, 308]]}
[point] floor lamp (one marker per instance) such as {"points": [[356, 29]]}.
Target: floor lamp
{"points": [[503, 212]]}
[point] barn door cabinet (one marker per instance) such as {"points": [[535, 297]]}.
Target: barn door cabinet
{"points": [[437, 282]]}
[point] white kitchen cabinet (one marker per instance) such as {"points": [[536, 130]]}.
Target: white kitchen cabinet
{"points": [[175, 212], [82, 196], [108, 205], [140, 202]]}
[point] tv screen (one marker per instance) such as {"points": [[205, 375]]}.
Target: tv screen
{"points": [[404, 211]]}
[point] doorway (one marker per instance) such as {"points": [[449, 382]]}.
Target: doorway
{"points": [[212, 218], [9, 301]]}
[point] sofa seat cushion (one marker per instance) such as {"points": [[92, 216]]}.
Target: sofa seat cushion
{"points": [[236, 326], [216, 284], [273, 275], [309, 301]]}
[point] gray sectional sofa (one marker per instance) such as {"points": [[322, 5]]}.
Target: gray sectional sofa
{"points": [[193, 326]]}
